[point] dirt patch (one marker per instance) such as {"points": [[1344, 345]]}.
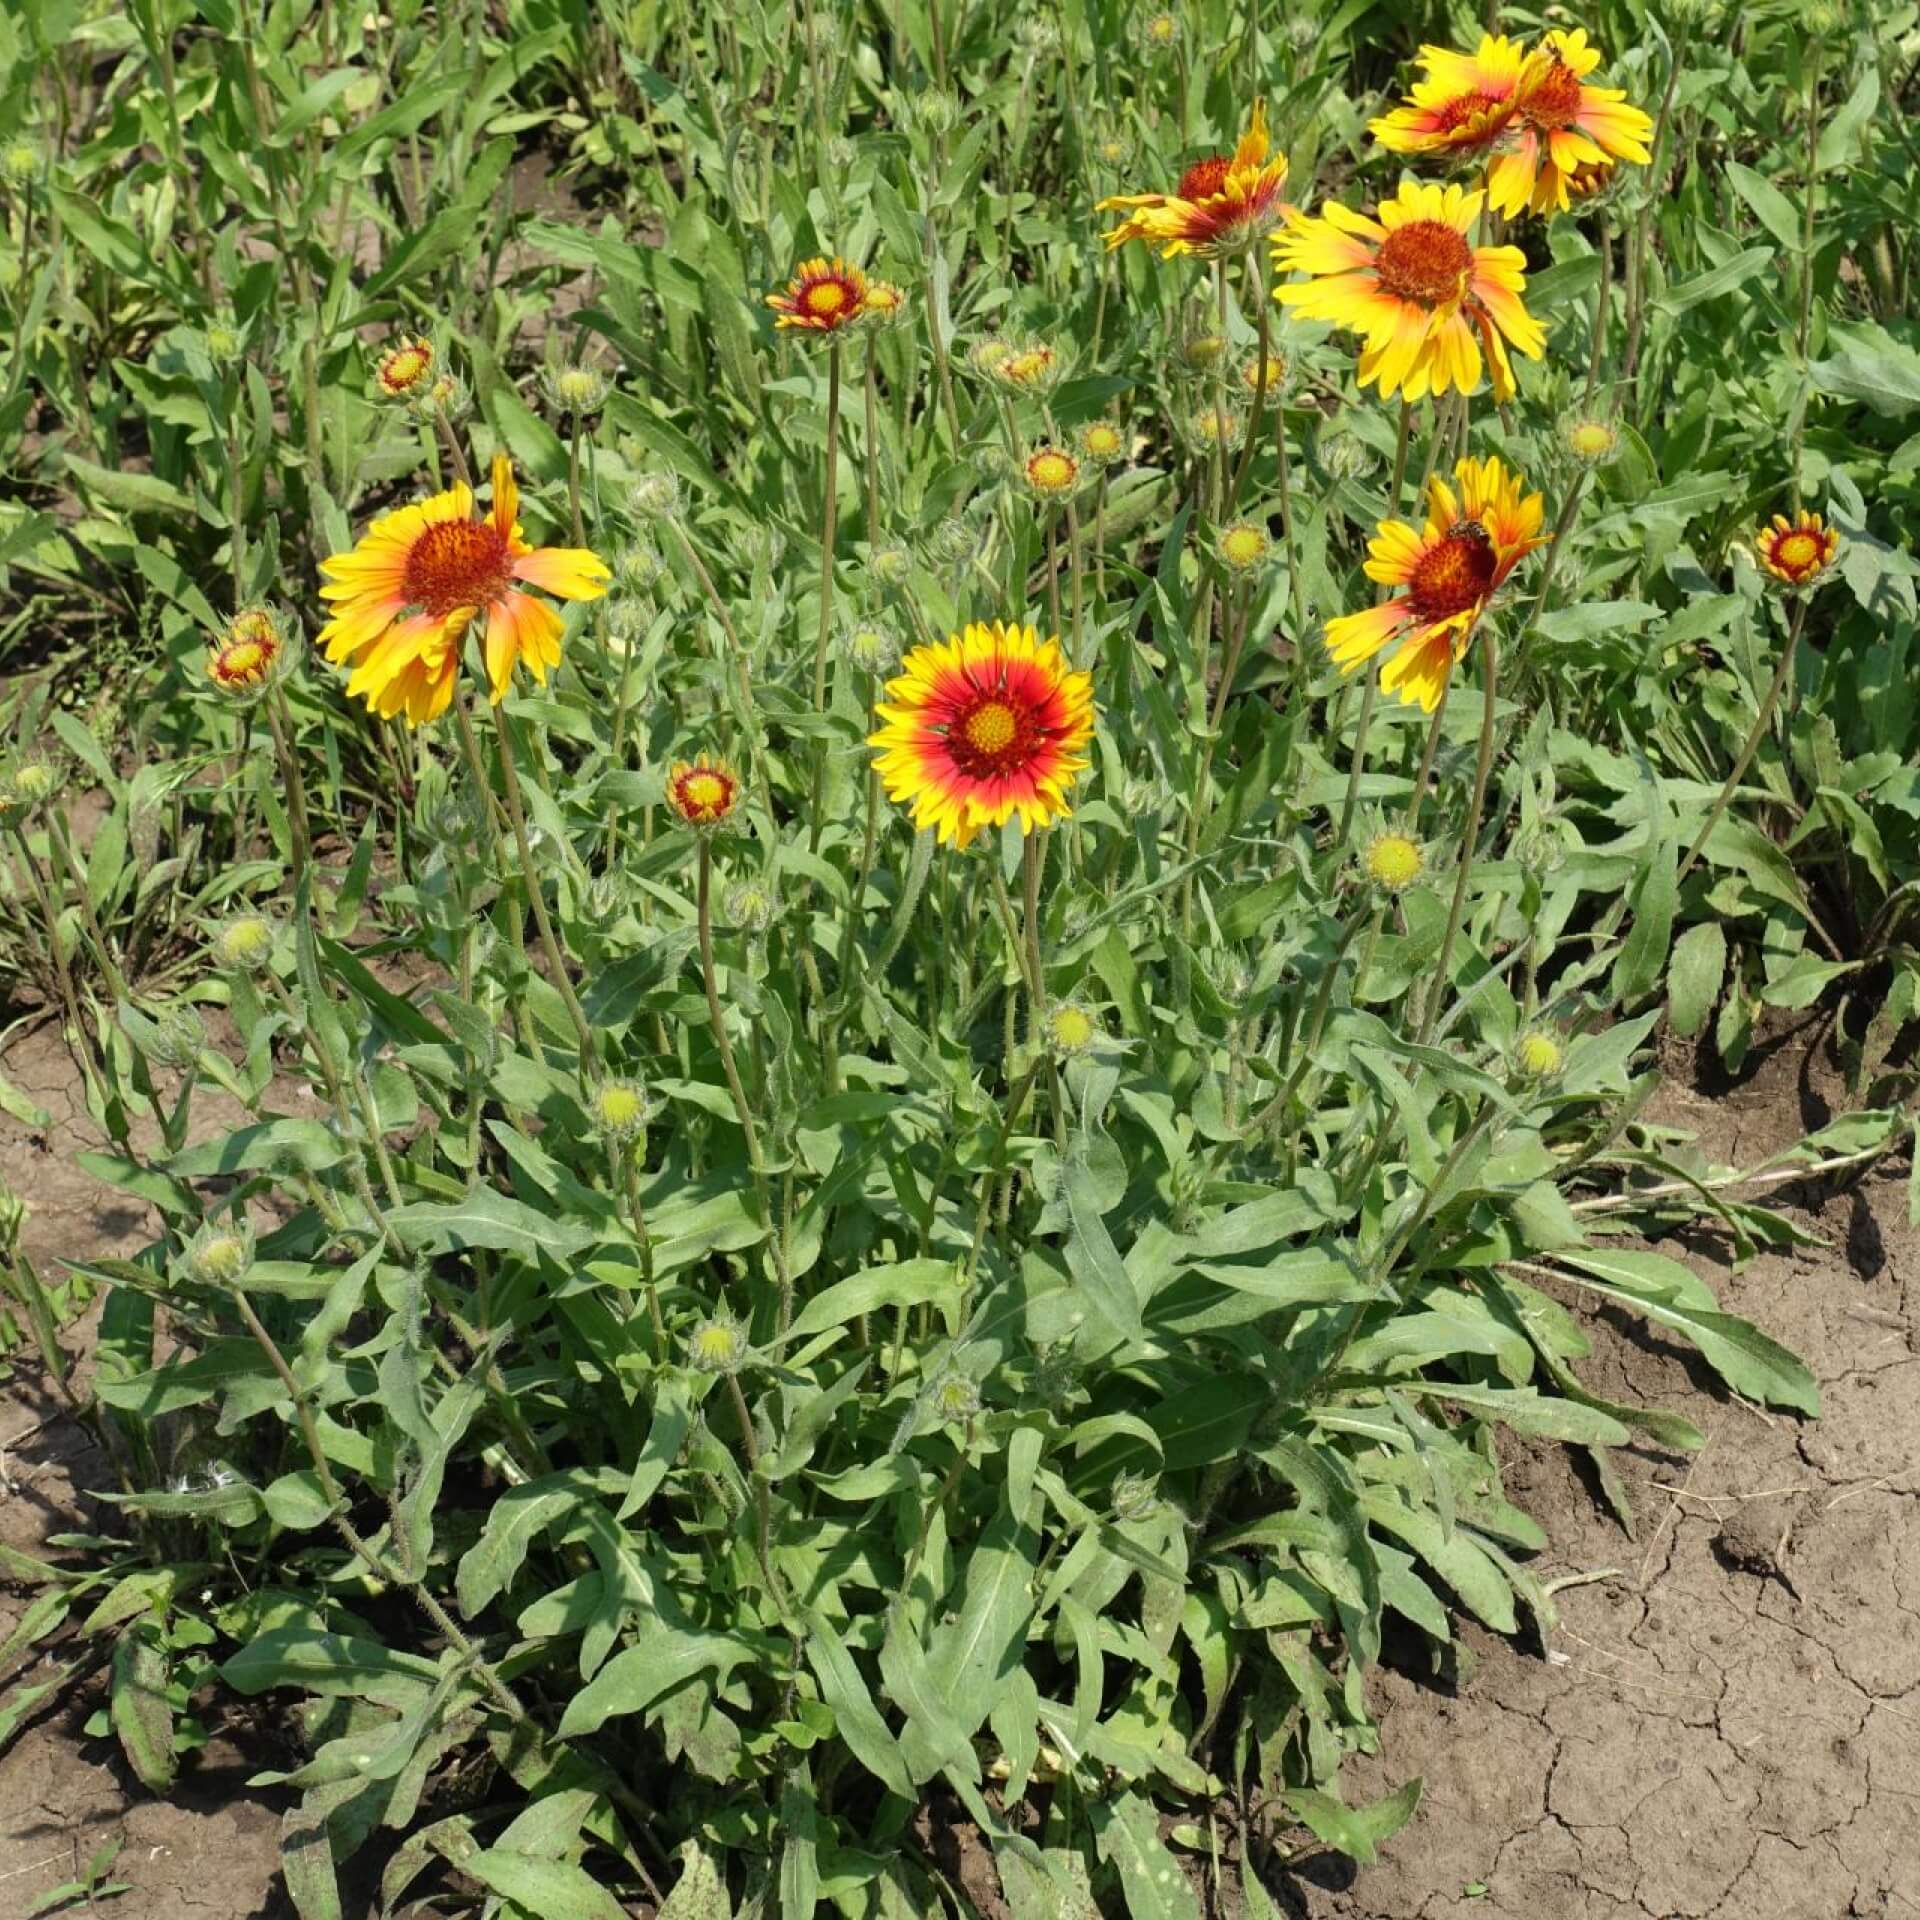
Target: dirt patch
{"points": [[1726, 1720]]}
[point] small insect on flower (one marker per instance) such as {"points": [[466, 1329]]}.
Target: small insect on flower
{"points": [[1449, 571], [1243, 546], [1393, 862], [402, 600], [404, 367], [1052, 473], [822, 297], [1221, 206], [989, 725], [1539, 1056], [620, 1109], [1422, 297], [1101, 442], [1797, 551], [1592, 441], [718, 1345], [245, 943], [703, 792], [242, 658]]}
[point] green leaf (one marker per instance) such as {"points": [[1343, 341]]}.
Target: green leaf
{"points": [[1092, 1258], [1771, 207], [138, 1706], [660, 1658], [273, 1146], [1126, 1830], [906, 1283], [488, 1219], [552, 1889], [1694, 976], [700, 1893], [858, 1720], [1357, 1831], [1688, 294]]}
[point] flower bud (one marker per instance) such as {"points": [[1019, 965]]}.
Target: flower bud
{"points": [[1244, 546], [244, 944], [750, 905], [1393, 862], [177, 1037], [1539, 1056], [654, 496], [221, 1255], [620, 1109], [579, 391], [405, 368], [718, 1345]]}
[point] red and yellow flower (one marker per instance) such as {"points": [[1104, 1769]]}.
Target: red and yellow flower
{"points": [[242, 660], [703, 792], [404, 366], [400, 602], [822, 297], [1799, 550], [1222, 204], [1461, 105], [1422, 297], [1565, 129], [990, 724], [1449, 571]]}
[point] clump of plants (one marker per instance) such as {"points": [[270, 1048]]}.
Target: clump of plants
{"points": [[880, 1027]]}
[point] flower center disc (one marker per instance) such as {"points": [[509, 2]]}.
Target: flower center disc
{"points": [[1453, 576], [825, 296], [1554, 99], [1796, 552], [1425, 260], [457, 563], [1465, 111], [244, 660], [1204, 178], [991, 739], [705, 792]]}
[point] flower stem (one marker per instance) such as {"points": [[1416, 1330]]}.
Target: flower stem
{"points": [[1490, 668], [704, 907], [1762, 720], [281, 722], [829, 520]]}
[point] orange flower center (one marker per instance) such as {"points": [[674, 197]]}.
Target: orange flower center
{"points": [[1553, 100], [992, 738], [1464, 110], [458, 563], [1204, 178], [1796, 552], [1454, 574], [1426, 261], [824, 297]]}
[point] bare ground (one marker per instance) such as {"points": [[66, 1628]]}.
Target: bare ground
{"points": [[1725, 1723]]}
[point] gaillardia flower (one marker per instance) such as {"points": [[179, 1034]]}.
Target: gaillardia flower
{"points": [[1564, 126], [1420, 295], [985, 726], [1222, 204], [1051, 472], [402, 599], [1463, 103], [1393, 862], [1100, 441], [823, 297], [404, 367], [703, 792], [243, 658], [1799, 550], [1449, 570]]}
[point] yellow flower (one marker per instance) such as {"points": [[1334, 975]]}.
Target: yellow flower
{"points": [[703, 792], [1464, 102], [1394, 862], [1564, 126], [1539, 1056], [1071, 1029], [1100, 441], [1799, 550], [620, 1109], [988, 725], [1052, 472], [1423, 299], [242, 660], [1449, 571], [1244, 546], [1222, 205], [822, 297], [404, 367], [403, 598]]}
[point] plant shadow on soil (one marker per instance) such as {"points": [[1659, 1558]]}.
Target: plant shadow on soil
{"points": [[1726, 1720]]}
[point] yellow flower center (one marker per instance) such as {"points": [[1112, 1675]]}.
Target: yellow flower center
{"points": [[245, 941], [705, 791], [1243, 546], [1051, 471], [403, 369], [1394, 862], [991, 728], [883, 297], [457, 563], [619, 1107], [1102, 442], [242, 664], [1591, 438], [1161, 27], [1540, 1055], [1072, 1028], [825, 297], [1796, 553], [1425, 261], [715, 1346]]}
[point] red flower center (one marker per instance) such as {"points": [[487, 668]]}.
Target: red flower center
{"points": [[1204, 178], [405, 367], [243, 663], [1453, 575], [458, 563], [1426, 261], [1464, 110], [992, 737], [1553, 100]]}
